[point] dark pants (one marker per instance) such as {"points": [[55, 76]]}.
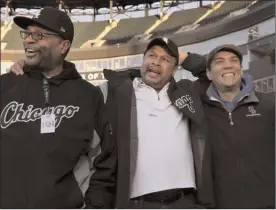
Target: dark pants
{"points": [[183, 199]]}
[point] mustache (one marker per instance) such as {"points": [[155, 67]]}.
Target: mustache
{"points": [[154, 69], [31, 46]]}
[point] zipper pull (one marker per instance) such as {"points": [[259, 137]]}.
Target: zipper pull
{"points": [[230, 118]]}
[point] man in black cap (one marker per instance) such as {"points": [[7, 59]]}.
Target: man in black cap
{"points": [[241, 132], [46, 36], [157, 151], [48, 116]]}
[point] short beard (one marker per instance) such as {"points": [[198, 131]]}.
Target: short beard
{"points": [[157, 87], [232, 88], [46, 64]]}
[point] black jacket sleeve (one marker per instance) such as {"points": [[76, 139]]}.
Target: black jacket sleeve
{"points": [[102, 186], [8, 81], [196, 64], [203, 164]]}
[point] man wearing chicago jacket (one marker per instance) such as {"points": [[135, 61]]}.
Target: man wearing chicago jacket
{"points": [[48, 119], [179, 110]]}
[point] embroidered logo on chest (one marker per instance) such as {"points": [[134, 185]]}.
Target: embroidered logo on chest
{"points": [[252, 112]]}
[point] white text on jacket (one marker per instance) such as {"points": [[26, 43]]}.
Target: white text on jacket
{"points": [[14, 112]]}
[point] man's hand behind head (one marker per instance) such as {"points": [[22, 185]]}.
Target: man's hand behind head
{"points": [[17, 67], [182, 56]]}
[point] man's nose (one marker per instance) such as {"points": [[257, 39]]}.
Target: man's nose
{"points": [[156, 61], [228, 64]]}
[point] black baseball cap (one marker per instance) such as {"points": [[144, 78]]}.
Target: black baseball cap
{"points": [[227, 47], [167, 44], [51, 19]]}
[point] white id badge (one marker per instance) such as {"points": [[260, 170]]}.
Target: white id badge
{"points": [[47, 123]]}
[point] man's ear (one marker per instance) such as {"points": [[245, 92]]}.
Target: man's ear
{"points": [[175, 69], [209, 75], [241, 71], [66, 44]]}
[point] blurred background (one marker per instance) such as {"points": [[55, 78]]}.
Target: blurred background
{"points": [[112, 34]]}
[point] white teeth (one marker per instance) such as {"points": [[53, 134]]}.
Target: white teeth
{"points": [[228, 74], [153, 71], [30, 50]]}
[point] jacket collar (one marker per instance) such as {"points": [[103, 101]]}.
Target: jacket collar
{"points": [[69, 73], [119, 76], [182, 94], [251, 98], [246, 89]]}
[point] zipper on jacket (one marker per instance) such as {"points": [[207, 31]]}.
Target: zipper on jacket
{"points": [[229, 113], [231, 119]]}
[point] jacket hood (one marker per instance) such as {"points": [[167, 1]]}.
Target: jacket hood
{"points": [[246, 88], [69, 73]]}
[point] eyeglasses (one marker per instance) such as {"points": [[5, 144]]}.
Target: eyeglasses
{"points": [[35, 35]]}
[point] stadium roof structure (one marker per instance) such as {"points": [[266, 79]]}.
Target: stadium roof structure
{"points": [[79, 4]]}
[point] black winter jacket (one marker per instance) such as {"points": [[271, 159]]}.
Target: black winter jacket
{"points": [[37, 169], [121, 111], [243, 154]]}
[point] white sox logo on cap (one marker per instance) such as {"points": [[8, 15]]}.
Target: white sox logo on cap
{"points": [[62, 29], [165, 39], [38, 14]]}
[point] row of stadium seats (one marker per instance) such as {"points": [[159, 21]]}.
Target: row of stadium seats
{"points": [[177, 20], [262, 3], [126, 29], [224, 10], [87, 30]]}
